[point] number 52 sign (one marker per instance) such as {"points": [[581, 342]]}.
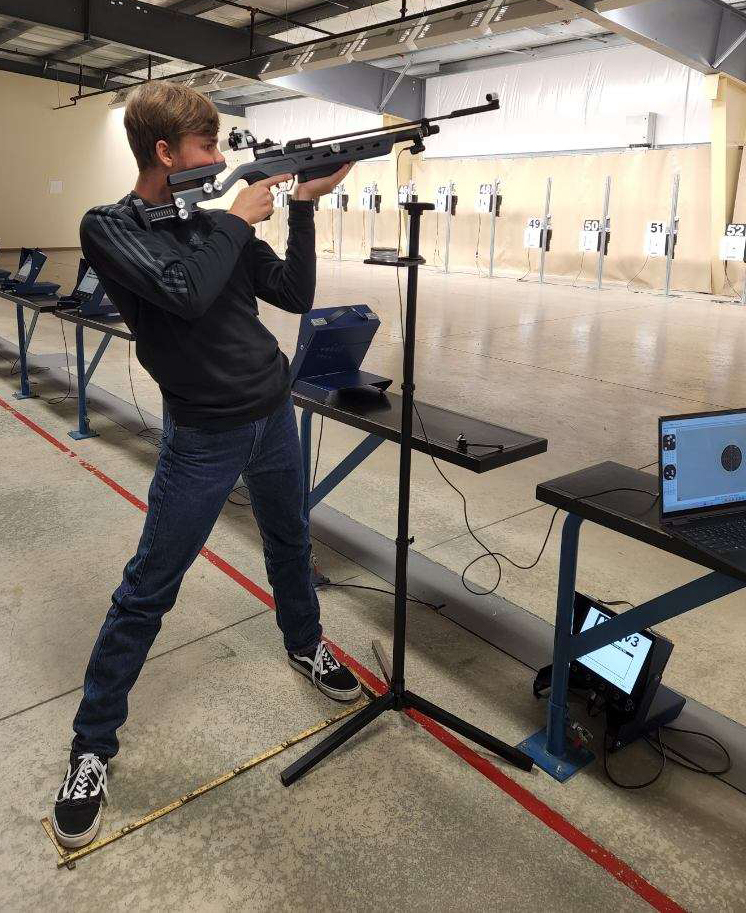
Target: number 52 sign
{"points": [[733, 245]]}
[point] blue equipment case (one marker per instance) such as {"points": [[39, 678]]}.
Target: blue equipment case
{"points": [[23, 282], [332, 343]]}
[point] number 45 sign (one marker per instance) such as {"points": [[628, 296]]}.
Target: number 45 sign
{"points": [[733, 245]]}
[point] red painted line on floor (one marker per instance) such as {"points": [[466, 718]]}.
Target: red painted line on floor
{"points": [[531, 803]]}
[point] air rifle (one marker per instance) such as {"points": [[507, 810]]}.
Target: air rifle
{"points": [[305, 158]]}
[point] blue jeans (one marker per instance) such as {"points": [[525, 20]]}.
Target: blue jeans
{"points": [[196, 472]]}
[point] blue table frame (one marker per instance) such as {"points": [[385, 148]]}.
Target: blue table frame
{"points": [[38, 306], [109, 330], [621, 512]]}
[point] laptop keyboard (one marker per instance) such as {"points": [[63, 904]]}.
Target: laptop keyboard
{"points": [[721, 536]]}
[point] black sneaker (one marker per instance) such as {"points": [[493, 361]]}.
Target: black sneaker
{"points": [[327, 673], [77, 804]]}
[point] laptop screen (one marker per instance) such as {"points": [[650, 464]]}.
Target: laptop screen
{"points": [[89, 282], [702, 461], [24, 271]]}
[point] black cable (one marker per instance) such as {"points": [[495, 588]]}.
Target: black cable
{"points": [[727, 277], [145, 426], [582, 259], [639, 272], [488, 553], [528, 271], [375, 589], [61, 399], [239, 489], [647, 783], [684, 761], [318, 453]]}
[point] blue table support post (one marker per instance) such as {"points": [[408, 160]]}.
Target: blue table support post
{"points": [[548, 747], [556, 741], [84, 429], [23, 344]]}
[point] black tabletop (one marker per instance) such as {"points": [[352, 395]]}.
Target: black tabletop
{"points": [[115, 326], [632, 513], [380, 414], [45, 304]]}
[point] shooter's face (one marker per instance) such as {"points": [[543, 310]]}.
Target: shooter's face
{"points": [[195, 151]]}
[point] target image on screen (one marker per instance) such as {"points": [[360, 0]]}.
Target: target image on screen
{"points": [[619, 663], [89, 282], [23, 272], [702, 461]]}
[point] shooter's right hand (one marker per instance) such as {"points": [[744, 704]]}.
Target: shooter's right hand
{"points": [[255, 203]]}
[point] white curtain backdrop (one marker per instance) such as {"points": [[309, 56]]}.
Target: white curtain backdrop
{"points": [[575, 102], [285, 120]]}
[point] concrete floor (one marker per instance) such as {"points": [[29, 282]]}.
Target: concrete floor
{"points": [[591, 372]]}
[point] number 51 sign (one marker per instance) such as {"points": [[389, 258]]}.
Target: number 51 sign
{"points": [[656, 240]]}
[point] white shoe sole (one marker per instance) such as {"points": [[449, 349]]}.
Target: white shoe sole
{"points": [[334, 693], [76, 841]]}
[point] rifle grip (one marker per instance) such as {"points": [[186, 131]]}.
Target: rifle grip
{"points": [[322, 172]]}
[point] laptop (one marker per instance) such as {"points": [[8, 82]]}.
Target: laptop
{"points": [[703, 481], [88, 296]]}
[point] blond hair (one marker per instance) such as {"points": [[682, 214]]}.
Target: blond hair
{"points": [[166, 111]]}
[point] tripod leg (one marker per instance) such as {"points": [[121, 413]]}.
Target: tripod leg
{"points": [[345, 732], [513, 755]]}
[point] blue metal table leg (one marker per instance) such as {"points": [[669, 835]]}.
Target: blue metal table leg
{"points": [[84, 429], [25, 391], [548, 747], [556, 742]]}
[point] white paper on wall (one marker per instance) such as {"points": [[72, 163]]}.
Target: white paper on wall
{"points": [[575, 102]]}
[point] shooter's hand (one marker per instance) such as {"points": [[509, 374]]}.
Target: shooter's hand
{"points": [[317, 187], [254, 203]]}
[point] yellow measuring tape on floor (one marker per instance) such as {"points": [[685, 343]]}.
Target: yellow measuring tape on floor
{"points": [[69, 858]]}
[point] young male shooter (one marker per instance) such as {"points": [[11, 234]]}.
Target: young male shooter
{"points": [[188, 291]]}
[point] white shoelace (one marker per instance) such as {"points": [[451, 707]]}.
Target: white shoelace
{"points": [[86, 781], [323, 662]]}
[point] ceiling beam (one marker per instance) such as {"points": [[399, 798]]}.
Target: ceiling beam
{"points": [[162, 31], [78, 48], [141, 63], [44, 68], [703, 34]]}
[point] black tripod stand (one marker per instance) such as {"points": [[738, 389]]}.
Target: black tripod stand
{"points": [[397, 697]]}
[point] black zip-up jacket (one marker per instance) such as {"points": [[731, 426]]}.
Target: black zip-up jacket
{"points": [[188, 290]]}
